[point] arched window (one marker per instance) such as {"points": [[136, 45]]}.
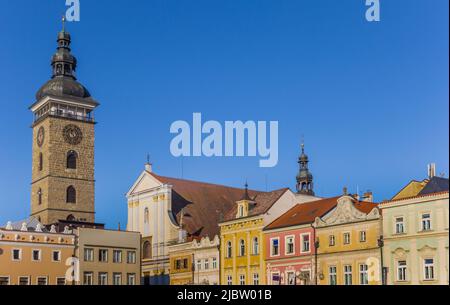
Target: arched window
{"points": [[255, 246], [241, 211], [229, 250], [146, 215], [39, 196], [41, 161], [147, 250], [241, 248], [71, 218], [72, 157], [71, 195]]}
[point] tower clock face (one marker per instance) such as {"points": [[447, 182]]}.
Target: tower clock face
{"points": [[73, 134], [40, 136]]}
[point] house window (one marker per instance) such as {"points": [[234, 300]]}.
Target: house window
{"points": [[229, 280], [241, 248], [56, 256], [71, 195], [199, 265], [348, 276], [177, 264], [117, 256], [399, 225], [16, 255], [363, 236], [185, 263], [24, 281], [88, 278], [131, 257], [242, 279], [276, 278], [333, 275], [363, 274], [428, 269], [131, 279], [402, 268], [275, 247], [36, 255], [214, 263], [241, 211], [346, 238], [206, 264], [103, 278], [88, 255], [60, 281], [147, 250], [426, 222], [229, 250], [306, 243], [117, 279], [291, 278], [332, 240], [256, 279], [4, 281], [103, 255], [255, 246], [289, 245], [42, 281], [72, 160], [146, 215]]}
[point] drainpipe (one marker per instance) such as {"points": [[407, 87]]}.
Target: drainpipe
{"points": [[381, 245], [316, 246]]}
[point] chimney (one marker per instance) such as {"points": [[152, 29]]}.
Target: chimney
{"points": [[368, 196], [432, 170]]}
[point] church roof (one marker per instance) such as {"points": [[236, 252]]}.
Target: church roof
{"points": [[203, 205]]}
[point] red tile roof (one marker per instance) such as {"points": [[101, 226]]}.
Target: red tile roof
{"points": [[306, 213], [204, 204]]}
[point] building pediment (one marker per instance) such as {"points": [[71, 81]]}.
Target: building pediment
{"points": [[345, 212], [144, 183]]}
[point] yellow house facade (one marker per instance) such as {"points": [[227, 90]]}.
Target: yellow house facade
{"points": [[181, 269], [348, 251]]}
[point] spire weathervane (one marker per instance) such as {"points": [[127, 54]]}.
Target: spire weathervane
{"points": [[63, 23]]}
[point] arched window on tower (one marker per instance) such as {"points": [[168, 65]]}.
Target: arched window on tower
{"points": [[39, 196], [146, 216], [147, 250], [71, 195], [72, 157], [41, 161]]}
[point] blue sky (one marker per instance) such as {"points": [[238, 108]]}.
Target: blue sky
{"points": [[370, 98]]}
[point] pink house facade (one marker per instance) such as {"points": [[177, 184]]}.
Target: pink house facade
{"points": [[290, 255], [290, 250]]}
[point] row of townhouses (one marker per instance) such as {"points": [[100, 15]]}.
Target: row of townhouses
{"points": [[185, 232]]}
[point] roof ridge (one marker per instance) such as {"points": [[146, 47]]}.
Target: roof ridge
{"points": [[416, 197]]}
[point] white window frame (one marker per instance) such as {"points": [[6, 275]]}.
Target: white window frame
{"points": [[404, 270], [90, 257], [255, 278], [100, 256], [429, 221], [288, 273], [24, 277], [427, 266], [214, 263], [275, 273], [344, 240], [399, 223], [242, 243], [100, 276], [286, 245], [20, 255], [242, 280], [133, 277], [302, 242], [348, 273], [40, 278], [8, 279], [40, 255], [131, 257], [61, 278], [271, 247], [229, 249], [332, 240], [88, 274], [229, 280], [363, 236], [115, 277], [363, 274], [119, 260], [206, 263], [255, 246], [59, 256], [332, 274]]}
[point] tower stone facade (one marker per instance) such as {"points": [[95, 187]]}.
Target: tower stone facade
{"points": [[63, 183]]}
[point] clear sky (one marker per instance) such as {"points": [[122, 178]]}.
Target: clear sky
{"points": [[371, 99]]}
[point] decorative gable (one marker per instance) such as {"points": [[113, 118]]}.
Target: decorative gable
{"points": [[144, 183]]}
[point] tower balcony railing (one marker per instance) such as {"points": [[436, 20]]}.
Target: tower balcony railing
{"points": [[67, 115]]}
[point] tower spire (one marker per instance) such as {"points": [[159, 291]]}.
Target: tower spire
{"points": [[305, 184]]}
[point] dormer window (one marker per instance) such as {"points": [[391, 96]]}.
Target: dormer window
{"points": [[241, 211]]}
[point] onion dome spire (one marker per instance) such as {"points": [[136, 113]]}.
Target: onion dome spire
{"points": [[305, 179]]}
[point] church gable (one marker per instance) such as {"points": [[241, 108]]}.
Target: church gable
{"points": [[144, 183]]}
